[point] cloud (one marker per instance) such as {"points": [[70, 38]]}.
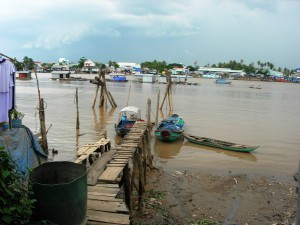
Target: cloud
{"points": [[202, 29]]}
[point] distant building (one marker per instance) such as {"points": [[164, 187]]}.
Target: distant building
{"points": [[274, 73], [89, 67], [127, 66]]}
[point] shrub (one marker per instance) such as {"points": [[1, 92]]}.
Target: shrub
{"points": [[15, 205]]}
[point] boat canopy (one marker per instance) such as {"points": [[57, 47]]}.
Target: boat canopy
{"points": [[131, 110]]}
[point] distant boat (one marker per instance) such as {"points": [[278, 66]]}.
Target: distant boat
{"points": [[23, 75], [223, 81], [219, 144], [117, 78], [258, 86], [128, 116], [170, 129]]}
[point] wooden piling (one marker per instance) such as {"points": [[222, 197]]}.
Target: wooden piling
{"points": [[157, 108], [149, 113], [77, 114], [44, 144]]}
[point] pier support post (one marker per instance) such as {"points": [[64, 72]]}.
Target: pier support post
{"points": [[43, 126], [127, 187]]}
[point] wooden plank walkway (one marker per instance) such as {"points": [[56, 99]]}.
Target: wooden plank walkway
{"points": [[103, 206]]}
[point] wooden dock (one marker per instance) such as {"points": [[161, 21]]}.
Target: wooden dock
{"points": [[112, 176]]}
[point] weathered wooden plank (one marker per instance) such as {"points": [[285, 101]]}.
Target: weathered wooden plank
{"points": [[99, 166], [103, 194], [103, 189], [118, 162], [114, 218], [116, 165], [110, 174], [129, 145], [106, 185], [104, 198], [100, 188], [81, 151], [107, 207], [122, 157]]}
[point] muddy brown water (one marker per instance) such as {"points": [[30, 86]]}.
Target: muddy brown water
{"points": [[268, 117]]}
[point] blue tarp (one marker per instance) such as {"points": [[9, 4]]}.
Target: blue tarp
{"points": [[23, 147]]}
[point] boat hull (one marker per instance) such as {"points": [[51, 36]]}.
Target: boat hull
{"points": [[168, 136], [170, 129], [219, 144]]}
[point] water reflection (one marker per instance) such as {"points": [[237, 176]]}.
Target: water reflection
{"points": [[239, 155], [167, 150]]}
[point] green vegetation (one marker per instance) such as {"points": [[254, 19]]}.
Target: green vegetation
{"points": [[16, 206], [15, 114], [203, 222], [260, 68]]}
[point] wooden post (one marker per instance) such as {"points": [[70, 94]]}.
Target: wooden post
{"points": [[298, 199], [77, 114], [95, 96], [147, 145], [149, 113], [127, 187], [157, 108], [43, 126], [141, 179], [115, 104]]}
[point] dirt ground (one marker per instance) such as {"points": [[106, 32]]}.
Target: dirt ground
{"points": [[194, 197]]}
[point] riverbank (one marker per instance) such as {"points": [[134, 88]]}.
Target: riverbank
{"points": [[194, 197]]}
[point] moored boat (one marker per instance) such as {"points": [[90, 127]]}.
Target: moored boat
{"points": [[117, 78], [23, 75], [219, 144], [170, 129], [223, 81], [128, 116]]}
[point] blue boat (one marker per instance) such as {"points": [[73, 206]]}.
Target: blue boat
{"points": [[223, 81], [118, 78], [128, 116], [170, 129]]}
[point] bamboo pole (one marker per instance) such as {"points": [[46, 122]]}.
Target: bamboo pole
{"points": [[157, 108], [149, 113], [115, 104], [77, 114], [128, 95], [95, 96]]}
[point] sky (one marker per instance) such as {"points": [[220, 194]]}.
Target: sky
{"points": [[175, 31]]}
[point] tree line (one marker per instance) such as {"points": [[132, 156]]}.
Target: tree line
{"points": [[253, 68]]}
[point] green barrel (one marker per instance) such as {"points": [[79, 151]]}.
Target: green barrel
{"points": [[60, 191]]}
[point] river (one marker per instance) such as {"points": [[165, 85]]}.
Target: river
{"points": [[267, 117]]}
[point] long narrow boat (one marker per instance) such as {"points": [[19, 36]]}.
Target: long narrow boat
{"points": [[219, 144], [170, 129]]}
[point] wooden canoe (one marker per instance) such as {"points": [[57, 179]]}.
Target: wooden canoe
{"points": [[219, 144]]}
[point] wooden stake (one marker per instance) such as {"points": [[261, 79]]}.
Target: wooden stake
{"points": [[149, 113], [127, 186], [43, 126], [128, 95], [77, 114], [157, 108]]}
